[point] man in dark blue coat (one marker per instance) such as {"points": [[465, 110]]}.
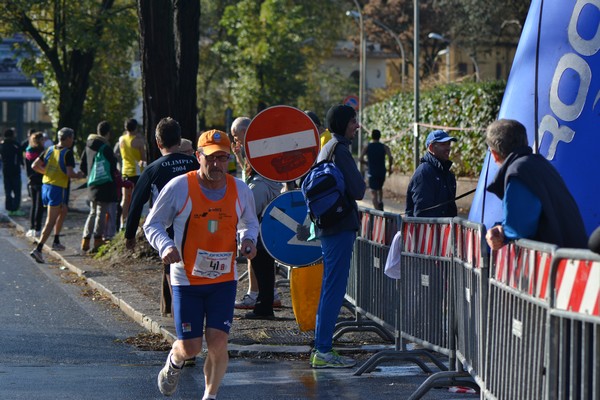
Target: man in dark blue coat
{"points": [[432, 189], [536, 202]]}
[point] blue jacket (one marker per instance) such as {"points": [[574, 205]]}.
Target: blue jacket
{"points": [[431, 185], [560, 221], [355, 184]]}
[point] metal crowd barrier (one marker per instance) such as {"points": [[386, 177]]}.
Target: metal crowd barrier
{"points": [[523, 323], [370, 293], [426, 283], [471, 262], [423, 306], [573, 334], [516, 322]]}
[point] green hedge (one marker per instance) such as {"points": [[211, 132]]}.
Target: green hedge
{"points": [[468, 106]]}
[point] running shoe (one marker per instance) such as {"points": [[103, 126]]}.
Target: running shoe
{"points": [[168, 377], [37, 256], [246, 303], [58, 246], [331, 360]]}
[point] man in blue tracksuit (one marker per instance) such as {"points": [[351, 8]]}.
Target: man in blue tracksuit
{"points": [[337, 241]]}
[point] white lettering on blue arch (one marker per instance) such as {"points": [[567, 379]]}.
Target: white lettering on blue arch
{"points": [[570, 65]]}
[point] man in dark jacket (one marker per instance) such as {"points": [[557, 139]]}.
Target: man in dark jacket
{"points": [[12, 161], [100, 196], [432, 189], [536, 201]]}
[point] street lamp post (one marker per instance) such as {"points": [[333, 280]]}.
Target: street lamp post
{"points": [[416, 84], [446, 52], [362, 66], [356, 15], [437, 36], [398, 42]]}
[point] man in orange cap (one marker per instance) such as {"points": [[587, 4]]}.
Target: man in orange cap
{"points": [[208, 209]]}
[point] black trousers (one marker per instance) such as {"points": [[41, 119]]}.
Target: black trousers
{"points": [[37, 208], [264, 270], [12, 191], [166, 293]]}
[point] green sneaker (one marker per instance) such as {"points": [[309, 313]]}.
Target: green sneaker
{"points": [[331, 360], [312, 356]]}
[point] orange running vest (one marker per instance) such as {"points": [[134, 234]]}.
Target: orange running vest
{"points": [[209, 245]]}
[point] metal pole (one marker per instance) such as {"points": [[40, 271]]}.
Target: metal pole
{"points": [[362, 72], [476, 67], [416, 83], [398, 42], [448, 64]]}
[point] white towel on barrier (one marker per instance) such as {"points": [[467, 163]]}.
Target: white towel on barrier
{"points": [[392, 264]]}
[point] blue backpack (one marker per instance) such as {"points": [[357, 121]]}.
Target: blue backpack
{"points": [[324, 192]]}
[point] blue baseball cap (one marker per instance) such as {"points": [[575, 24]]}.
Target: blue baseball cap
{"points": [[438, 136]]}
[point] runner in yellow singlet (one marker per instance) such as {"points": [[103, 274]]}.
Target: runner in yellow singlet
{"points": [[133, 155], [57, 164]]}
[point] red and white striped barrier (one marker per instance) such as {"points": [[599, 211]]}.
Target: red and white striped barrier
{"points": [[525, 269], [364, 225], [432, 239], [468, 245], [578, 286], [373, 228]]}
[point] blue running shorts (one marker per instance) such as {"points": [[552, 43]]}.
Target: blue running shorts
{"points": [[53, 195], [195, 304]]}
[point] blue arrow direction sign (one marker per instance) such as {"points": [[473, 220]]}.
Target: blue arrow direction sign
{"points": [[284, 228]]}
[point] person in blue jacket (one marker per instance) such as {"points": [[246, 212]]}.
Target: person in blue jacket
{"points": [[432, 189], [536, 202], [337, 241]]}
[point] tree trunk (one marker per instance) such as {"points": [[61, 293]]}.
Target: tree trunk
{"points": [[159, 72], [187, 53], [73, 90], [169, 36]]}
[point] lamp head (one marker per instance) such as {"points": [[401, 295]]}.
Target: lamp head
{"points": [[437, 36], [353, 14]]}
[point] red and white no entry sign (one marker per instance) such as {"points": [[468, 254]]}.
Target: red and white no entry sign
{"points": [[351, 101], [282, 143]]}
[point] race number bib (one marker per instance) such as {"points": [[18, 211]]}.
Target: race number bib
{"points": [[212, 265]]}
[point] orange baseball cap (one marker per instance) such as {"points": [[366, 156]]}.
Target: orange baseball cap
{"points": [[213, 141]]}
